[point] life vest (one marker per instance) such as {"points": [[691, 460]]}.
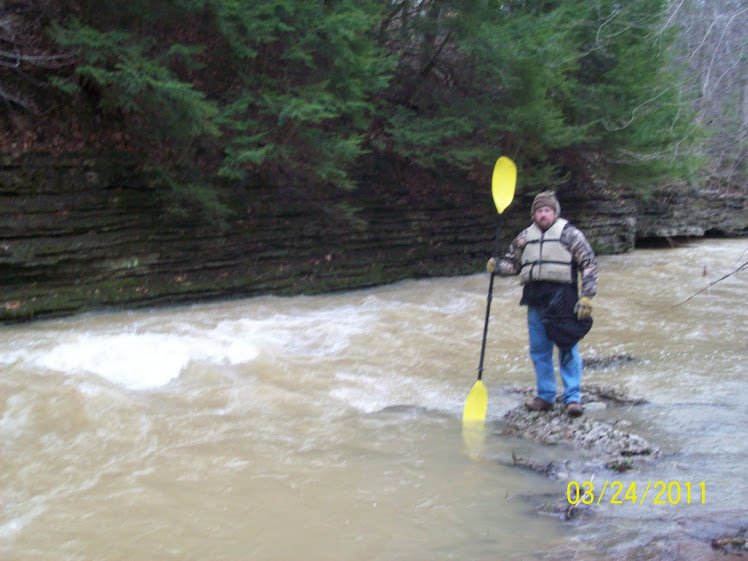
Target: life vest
{"points": [[544, 257]]}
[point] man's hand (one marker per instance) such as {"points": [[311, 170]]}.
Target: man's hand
{"points": [[491, 265], [583, 308]]}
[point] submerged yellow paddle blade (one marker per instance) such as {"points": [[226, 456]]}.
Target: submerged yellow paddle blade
{"points": [[474, 437], [476, 404], [502, 183]]}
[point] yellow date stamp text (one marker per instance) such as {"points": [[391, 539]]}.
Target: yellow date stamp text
{"points": [[655, 492]]}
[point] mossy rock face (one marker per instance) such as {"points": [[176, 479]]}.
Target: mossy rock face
{"points": [[81, 232]]}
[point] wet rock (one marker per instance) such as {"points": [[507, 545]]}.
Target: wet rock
{"points": [[590, 407], [551, 470], [404, 409], [620, 465], [598, 362], [561, 508], [610, 394], [554, 427], [603, 442], [732, 542]]}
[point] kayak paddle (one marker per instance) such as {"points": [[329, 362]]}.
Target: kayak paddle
{"points": [[502, 190]]}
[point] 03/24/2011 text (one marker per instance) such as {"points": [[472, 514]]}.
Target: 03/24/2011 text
{"points": [[654, 492]]}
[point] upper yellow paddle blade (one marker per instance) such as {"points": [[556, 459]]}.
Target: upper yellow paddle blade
{"points": [[476, 404], [502, 183]]}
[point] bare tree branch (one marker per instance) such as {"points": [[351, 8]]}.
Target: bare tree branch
{"points": [[742, 267], [42, 61], [27, 58]]}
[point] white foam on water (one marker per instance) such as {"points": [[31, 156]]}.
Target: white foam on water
{"points": [[15, 524], [143, 356], [145, 352], [141, 361]]}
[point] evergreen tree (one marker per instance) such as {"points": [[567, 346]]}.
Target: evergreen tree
{"points": [[474, 81], [131, 74], [306, 76], [554, 84], [627, 93], [293, 92]]}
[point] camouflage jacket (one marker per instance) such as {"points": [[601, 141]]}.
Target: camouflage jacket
{"points": [[573, 239]]}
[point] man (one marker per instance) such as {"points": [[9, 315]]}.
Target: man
{"points": [[548, 256]]}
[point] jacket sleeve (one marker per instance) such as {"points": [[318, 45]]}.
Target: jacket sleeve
{"points": [[511, 263], [584, 257]]}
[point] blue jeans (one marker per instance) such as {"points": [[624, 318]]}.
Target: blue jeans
{"points": [[541, 353]]}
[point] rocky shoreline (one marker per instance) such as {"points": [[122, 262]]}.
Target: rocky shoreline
{"points": [[604, 444], [599, 446], [607, 442]]}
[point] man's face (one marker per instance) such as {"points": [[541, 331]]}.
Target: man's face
{"points": [[544, 217]]}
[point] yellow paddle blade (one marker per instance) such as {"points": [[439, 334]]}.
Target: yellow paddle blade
{"points": [[502, 183], [476, 404]]}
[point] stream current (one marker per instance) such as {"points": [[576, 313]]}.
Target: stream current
{"points": [[329, 427]]}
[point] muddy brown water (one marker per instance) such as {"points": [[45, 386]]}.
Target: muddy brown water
{"points": [[329, 427]]}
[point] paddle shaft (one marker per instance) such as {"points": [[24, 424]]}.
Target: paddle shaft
{"points": [[488, 302]]}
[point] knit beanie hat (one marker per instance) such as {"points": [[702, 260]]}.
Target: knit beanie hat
{"points": [[546, 198]]}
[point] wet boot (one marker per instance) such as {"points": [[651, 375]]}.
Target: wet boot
{"points": [[537, 404], [574, 409]]}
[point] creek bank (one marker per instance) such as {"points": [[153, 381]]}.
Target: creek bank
{"points": [[83, 232]]}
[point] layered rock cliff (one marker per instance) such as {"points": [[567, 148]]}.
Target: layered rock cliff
{"points": [[82, 233]]}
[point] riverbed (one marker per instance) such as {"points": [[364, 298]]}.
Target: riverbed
{"points": [[329, 427]]}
